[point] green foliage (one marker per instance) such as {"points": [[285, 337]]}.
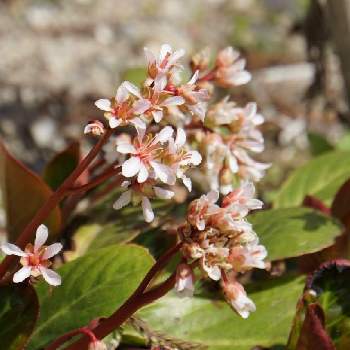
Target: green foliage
{"points": [[321, 177], [291, 232], [19, 310], [136, 75], [209, 321], [61, 166], [23, 193], [92, 286], [318, 144]]}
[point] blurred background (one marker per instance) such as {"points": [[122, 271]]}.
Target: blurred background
{"points": [[57, 57]]}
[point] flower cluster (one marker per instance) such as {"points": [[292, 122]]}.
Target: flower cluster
{"points": [[223, 242], [152, 157]]}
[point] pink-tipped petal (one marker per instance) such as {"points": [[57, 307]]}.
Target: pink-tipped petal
{"points": [[162, 193]]}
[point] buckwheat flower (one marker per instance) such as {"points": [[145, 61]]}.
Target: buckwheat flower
{"points": [[180, 158], [184, 285], [244, 258], [196, 98], [137, 193], [241, 200], [201, 209], [145, 154], [230, 70], [161, 65], [94, 127], [237, 297], [160, 99], [123, 110], [35, 259]]}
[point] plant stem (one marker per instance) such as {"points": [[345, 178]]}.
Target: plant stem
{"points": [[27, 234], [137, 300]]}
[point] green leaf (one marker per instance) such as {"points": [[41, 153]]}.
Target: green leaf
{"points": [[321, 177], [93, 286], [19, 310], [213, 324], [136, 75], [24, 193], [291, 232], [344, 143], [318, 144], [61, 166]]}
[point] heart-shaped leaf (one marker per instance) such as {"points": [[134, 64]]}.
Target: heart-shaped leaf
{"points": [[24, 193], [212, 324], [61, 165], [321, 177], [93, 286], [19, 310], [291, 232]]}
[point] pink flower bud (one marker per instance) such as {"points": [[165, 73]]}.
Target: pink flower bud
{"points": [[94, 127], [184, 285]]}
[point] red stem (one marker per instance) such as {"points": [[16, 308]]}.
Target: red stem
{"points": [[27, 234], [137, 300]]}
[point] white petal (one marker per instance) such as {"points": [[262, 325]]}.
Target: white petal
{"points": [[232, 163], [157, 116], [164, 173], [141, 106], [164, 50], [50, 276], [133, 89], [140, 126], [163, 135], [213, 272], [160, 82], [126, 148], [187, 182], [103, 104], [173, 101], [213, 196], [195, 157], [180, 137], [147, 210], [149, 55], [41, 237], [251, 109], [12, 249], [162, 193], [131, 167], [241, 78], [52, 250], [22, 274], [143, 174], [122, 94], [123, 200], [114, 122], [175, 56], [194, 78]]}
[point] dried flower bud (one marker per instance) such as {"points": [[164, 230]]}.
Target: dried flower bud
{"points": [[200, 60]]}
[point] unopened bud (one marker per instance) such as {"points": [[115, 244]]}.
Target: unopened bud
{"points": [[94, 127], [97, 345]]}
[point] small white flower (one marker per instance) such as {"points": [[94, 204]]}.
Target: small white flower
{"points": [[35, 259], [184, 285]]}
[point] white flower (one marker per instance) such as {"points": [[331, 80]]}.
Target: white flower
{"points": [[123, 110], [137, 193], [241, 200], [35, 259], [184, 285], [237, 296], [230, 69], [144, 158]]}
